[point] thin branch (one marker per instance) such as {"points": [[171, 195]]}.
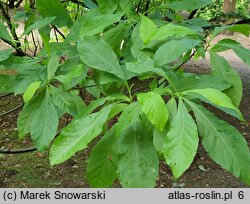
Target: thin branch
{"points": [[59, 32], [192, 14], [185, 61], [17, 151], [34, 42], [5, 95], [25, 150], [12, 110], [76, 2], [18, 3], [12, 29], [56, 35]]}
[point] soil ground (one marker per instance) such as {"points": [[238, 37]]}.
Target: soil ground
{"points": [[33, 169]]}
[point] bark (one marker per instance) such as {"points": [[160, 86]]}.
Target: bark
{"points": [[229, 6]]}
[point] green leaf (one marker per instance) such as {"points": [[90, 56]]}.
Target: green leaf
{"points": [[28, 70], [48, 8], [92, 24], [239, 50], [242, 28], [147, 29], [216, 98], [223, 143], [107, 6], [4, 34], [159, 136], [25, 116], [52, 66], [198, 82], [172, 108], [181, 142], [98, 54], [222, 69], [39, 24], [72, 76], [118, 107], [103, 162], [127, 117], [4, 54], [153, 106], [145, 67], [172, 50], [44, 123], [31, 90], [127, 6], [115, 36], [66, 101], [77, 135], [7, 83], [171, 31], [187, 5], [138, 160], [27, 76]]}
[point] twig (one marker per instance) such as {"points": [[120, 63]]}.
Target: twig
{"points": [[59, 32], [18, 3], [12, 110], [25, 150], [5, 95], [185, 61], [56, 35], [192, 14], [34, 42], [17, 151], [17, 45]]}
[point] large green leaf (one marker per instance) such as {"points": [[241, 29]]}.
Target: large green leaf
{"points": [[66, 102], [145, 67], [171, 31], [7, 83], [107, 6], [127, 117], [44, 123], [159, 136], [98, 54], [25, 116], [31, 90], [147, 29], [239, 50], [198, 82], [103, 162], [223, 142], [187, 5], [115, 36], [28, 70], [153, 106], [77, 135], [172, 50], [71, 75], [39, 24], [138, 160], [4, 54], [222, 69], [4, 34], [27, 76], [52, 66], [181, 142], [91, 24], [217, 98], [48, 8], [241, 28]]}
